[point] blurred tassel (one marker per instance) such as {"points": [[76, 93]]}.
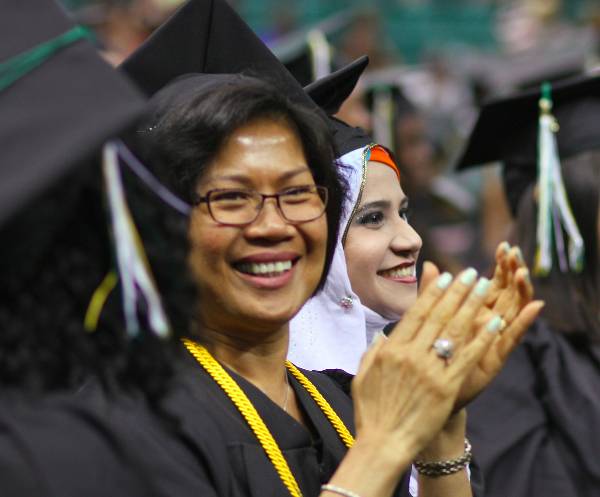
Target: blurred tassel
{"points": [[320, 51], [554, 210], [92, 315], [133, 267], [383, 117]]}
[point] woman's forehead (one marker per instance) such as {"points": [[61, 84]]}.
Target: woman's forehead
{"points": [[381, 183]]}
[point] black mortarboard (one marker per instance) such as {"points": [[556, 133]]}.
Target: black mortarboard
{"points": [[520, 130], [307, 53], [507, 128], [332, 90], [206, 36], [61, 106], [329, 93]]}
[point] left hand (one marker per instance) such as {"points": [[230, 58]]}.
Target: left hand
{"points": [[510, 292]]}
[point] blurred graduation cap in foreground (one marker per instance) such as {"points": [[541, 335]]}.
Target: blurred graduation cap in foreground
{"points": [[58, 99], [530, 132], [61, 102]]}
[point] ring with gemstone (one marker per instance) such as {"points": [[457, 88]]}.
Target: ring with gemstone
{"points": [[444, 348]]}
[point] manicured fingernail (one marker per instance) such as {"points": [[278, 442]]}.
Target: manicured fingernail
{"points": [[519, 254], [444, 281], [495, 324], [527, 276], [505, 246], [468, 276], [482, 287]]}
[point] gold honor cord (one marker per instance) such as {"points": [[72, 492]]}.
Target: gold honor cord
{"points": [[255, 422]]}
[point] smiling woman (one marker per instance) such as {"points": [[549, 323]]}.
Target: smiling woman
{"points": [[381, 247], [268, 198]]}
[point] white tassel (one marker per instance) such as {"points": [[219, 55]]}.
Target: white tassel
{"points": [[133, 270]]}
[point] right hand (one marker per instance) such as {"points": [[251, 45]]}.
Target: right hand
{"points": [[403, 392]]}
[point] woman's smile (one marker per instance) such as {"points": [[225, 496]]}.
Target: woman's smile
{"points": [[267, 270], [405, 273]]}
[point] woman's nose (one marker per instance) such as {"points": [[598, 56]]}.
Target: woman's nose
{"points": [[270, 223], [406, 239]]}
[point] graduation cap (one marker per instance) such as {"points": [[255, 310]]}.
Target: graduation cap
{"points": [[329, 93], [206, 36], [530, 132], [59, 100], [307, 53]]}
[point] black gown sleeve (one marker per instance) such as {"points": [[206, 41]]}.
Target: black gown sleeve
{"points": [[532, 427]]}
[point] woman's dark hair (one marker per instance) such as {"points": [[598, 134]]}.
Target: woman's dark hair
{"points": [[194, 117], [54, 255], [572, 299]]}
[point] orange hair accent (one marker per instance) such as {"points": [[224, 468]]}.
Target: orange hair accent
{"points": [[381, 155]]}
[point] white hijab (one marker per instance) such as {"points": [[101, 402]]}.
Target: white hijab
{"points": [[334, 328]]}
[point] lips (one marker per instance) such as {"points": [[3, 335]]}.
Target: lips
{"points": [[267, 270], [404, 273]]}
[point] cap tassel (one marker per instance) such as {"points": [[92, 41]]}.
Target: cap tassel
{"points": [[383, 117], [553, 205], [321, 54], [22, 64], [133, 266]]}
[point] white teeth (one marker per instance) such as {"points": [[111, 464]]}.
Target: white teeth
{"points": [[400, 272], [265, 268]]}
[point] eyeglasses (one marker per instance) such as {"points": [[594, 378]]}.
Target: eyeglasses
{"points": [[298, 204]]}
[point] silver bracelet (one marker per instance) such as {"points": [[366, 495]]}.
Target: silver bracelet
{"points": [[448, 467], [338, 490]]}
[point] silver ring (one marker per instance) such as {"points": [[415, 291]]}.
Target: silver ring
{"points": [[444, 348]]}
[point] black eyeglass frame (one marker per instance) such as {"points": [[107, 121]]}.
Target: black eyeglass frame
{"points": [[321, 190]]}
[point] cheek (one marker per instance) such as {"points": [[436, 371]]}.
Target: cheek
{"points": [[364, 251], [208, 246]]}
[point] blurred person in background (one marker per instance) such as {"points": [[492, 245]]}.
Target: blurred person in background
{"points": [[534, 424]]}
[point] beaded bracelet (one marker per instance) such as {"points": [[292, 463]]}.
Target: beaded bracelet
{"points": [[338, 490], [448, 467]]}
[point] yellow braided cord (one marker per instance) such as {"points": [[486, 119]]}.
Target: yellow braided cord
{"points": [[247, 410], [92, 315], [332, 416]]}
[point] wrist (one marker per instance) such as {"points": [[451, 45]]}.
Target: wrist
{"points": [[372, 466], [449, 442]]}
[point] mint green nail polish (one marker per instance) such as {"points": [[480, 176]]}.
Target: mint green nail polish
{"points": [[527, 277], [519, 254], [468, 276], [444, 281], [494, 325], [505, 247], [482, 287]]}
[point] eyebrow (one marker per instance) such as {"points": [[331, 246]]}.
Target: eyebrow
{"points": [[244, 179], [380, 204]]}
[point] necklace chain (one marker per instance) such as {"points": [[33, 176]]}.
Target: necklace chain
{"points": [[253, 419]]}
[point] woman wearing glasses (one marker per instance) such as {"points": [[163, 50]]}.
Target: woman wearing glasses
{"points": [[261, 171]]}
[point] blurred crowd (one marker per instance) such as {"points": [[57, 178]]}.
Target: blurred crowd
{"points": [[422, 110]]}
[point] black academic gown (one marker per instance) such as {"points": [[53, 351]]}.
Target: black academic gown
{"points": [[234, 463], [89, 444], [535, 428]]}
